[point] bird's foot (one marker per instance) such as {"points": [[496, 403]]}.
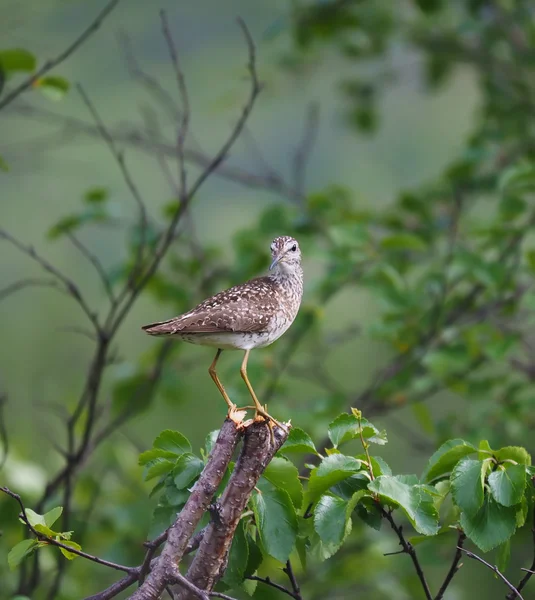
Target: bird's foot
{"points": [[237, 414], [262, 412]]}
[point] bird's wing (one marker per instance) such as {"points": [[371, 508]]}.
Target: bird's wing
{"points": [[241, 309]]}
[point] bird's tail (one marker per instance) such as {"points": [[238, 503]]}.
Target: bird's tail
{"points": [[160, 328]]}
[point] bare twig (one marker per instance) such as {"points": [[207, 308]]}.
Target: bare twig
{"points": [[96, 264], [455, 566], [273, 584], [116, 588], [25, 283], [514, 591], [531, 571], [151, 84], [69, 285], [54, 62], [408, 548], [4, 439], [304, 149], [135, 138], [129, 180], [184, 97], [291, 576]]}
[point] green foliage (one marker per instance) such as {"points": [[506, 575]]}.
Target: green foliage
{"points": [[42, 524], [17, 60]]}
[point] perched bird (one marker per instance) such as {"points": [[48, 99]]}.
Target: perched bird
{"points": [[251, 315]]}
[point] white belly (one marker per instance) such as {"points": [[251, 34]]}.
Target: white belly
{"points": [[228, 340]]}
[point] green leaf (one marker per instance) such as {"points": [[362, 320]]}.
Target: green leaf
{"points": [[299, 441], [368, 511], [188, 467], [507, 484], [276, 520], [172, 441], [284, 475], [3, 165], [445, 458], [491, 526], [150, 455], [96, 195], [54, 87], [17, 59], [35, 518], [53, 515], [404, 241], [71, 544], [162, 518], [237, 559], [346, 427], [414, 500], [503, 556], [330, 471], [467, 484], [255, 557], [332, 520], [19, 552], [516, 453], [158, 467], [517, 179], [44, 530], [210, 441]]}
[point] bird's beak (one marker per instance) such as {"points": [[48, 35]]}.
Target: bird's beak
{"points": [[275, 262]]}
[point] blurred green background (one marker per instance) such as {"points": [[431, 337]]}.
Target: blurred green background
{"points": [[42, 365]]}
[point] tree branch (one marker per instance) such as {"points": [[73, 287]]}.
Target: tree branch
{"points": [[514, 591], [257, 452], [408, 548], [455, 566], [531, 571], [70, 287], [50, 64], [182, 530]]}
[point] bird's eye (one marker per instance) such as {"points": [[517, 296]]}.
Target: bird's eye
{"points": [[294, 248]]}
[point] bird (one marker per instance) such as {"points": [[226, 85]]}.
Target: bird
{"points": [[246, 316]]}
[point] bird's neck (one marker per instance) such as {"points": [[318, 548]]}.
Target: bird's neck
{"points": [[289, 278]]}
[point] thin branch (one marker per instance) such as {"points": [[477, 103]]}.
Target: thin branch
{"points": [[4, 439], [70, 286], [514, 591], [96, 263], [54, 542], [183, 206], [531, 570], [408, 548], [455, 566], [304, 149], [54, 62], [116, 588], [131, 135], [291, 576], [184, 97], [151, 84], [119, 158], [22, 284], [268, 581]]}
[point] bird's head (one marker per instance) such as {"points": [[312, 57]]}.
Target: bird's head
{"points": [[285, 254]]}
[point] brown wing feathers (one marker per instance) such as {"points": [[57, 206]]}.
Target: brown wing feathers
{"points": [[240, 309]]}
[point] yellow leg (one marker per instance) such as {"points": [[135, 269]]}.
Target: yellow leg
{"points": [[260, 410], [213, 375]]}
